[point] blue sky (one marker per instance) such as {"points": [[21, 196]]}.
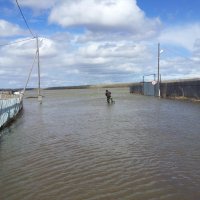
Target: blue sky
{"points": [[96, 42], [172, 11]]}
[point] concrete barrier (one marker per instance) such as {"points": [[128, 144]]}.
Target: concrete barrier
{"points": [[189, 89], [10, 106], [136, 88]]}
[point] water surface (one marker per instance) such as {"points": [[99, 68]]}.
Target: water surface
{"points": [[75, 147]]}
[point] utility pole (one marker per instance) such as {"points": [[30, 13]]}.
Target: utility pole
{"points": [[38, 54], [158, 70]]}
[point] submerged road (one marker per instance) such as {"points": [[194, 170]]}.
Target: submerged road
{"points": [[77, 147]]}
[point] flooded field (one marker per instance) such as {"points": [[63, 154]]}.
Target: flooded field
{"points": [[75, 146]]}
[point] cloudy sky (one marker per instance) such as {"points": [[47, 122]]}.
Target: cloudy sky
{"points": [[98, 41]]}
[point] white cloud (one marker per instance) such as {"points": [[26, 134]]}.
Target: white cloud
{"points": [[196, 51], [35, 4], [20, 49], [186, 36], [182, 35], [179, 67], [114, 50], [8, 29], [71, 62], [115, 42], [48, 48], [120, 15], [2, 72]]}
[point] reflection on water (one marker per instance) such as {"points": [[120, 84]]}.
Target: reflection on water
{"points": [[75, 146]]}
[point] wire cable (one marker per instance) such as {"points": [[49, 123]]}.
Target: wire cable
{"points": [[30, 72], [173, 52], [11, 43], [25, 19]]}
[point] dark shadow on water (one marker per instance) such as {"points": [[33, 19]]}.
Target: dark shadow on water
{"points": [[4, 132], [8, 129]]}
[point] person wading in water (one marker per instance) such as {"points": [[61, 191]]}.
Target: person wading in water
{"points": [[109, 98]]}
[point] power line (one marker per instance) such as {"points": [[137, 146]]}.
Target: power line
{"points": [[8, 44], [25, 20], [173, 52]]}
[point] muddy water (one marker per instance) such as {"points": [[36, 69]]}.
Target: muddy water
{"points": [[75, 147]]}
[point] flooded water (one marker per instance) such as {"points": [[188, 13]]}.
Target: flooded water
{"points": [[77, 147]]}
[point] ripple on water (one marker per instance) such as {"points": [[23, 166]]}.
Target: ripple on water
{"points": [[77, 147]]}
